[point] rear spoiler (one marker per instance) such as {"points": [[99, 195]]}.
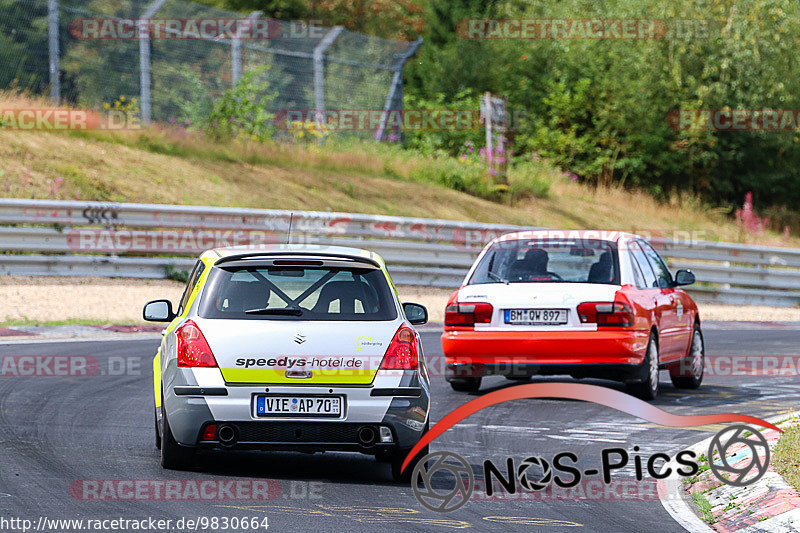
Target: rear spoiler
{"points": [[268, 255]]}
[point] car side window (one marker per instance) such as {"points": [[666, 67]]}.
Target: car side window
{"points": [[193, 277], [640, 259], [658, 264], [638, 277]]}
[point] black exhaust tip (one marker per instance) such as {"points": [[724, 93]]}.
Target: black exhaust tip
{"points": [[227, 435], [367, 436]]}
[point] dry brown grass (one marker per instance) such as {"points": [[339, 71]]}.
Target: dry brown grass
{"points": [[95, 170]]}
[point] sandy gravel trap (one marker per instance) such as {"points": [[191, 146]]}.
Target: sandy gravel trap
{"points": [[119, 301]]}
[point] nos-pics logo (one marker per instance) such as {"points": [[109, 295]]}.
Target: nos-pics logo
{"points": [[738, 455], [444, 481]]}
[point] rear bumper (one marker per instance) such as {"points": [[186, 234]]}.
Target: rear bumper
{"points": [[545, 348], [398, 400], [305, 436], [616, 372]]}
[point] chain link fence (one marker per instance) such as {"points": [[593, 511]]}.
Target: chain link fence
{"points": [[88, 53]]}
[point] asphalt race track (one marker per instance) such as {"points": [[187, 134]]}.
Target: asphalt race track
{"points": [[58, 432]]}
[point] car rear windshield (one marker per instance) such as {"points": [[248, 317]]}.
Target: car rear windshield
{"points": [[297, 293], [549, 261]]}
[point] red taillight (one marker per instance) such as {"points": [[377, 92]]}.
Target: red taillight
{"points": [[209, 433], [402, 352], [193, 350], [606, 314], [468, 314]]}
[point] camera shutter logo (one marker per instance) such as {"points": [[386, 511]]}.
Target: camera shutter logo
{"points": [[544, 480], [744, 444], [460, 475]]}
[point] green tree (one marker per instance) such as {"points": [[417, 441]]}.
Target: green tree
{"points": [[23, 45]]}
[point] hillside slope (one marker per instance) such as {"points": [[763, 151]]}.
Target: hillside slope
{"points": [[160, 166]]}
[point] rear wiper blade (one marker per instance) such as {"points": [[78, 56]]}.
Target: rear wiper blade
{"points": [[497, 277], [290, 311]]}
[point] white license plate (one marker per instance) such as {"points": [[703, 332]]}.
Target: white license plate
{"points": [[298, 406], [536, 317]]}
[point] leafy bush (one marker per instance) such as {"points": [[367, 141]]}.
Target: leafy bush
{"points": [[444, 141], [468, 174], [241, 112], [176, 274], [599, 107]]}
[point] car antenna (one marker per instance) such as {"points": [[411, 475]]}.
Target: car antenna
{"points": [[289, 236]]}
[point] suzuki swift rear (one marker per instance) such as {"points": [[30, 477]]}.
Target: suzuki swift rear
{"points": [[293, 348]]}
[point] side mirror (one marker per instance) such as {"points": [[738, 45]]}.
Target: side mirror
{"points": [[158, 311], [415, 313], [684, 277]]}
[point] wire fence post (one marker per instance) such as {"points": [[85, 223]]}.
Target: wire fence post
{"points": [[236, 49], [52, 43], [144, 59], [313, 67], [319, 70], [397, 86]]}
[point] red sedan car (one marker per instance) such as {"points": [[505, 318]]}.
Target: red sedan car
{"points": [[582, 303]]}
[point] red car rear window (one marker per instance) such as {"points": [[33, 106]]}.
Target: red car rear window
{"points": [[549, 261]]}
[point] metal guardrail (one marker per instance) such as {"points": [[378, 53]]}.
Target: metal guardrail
{"points": [[46, 237]]}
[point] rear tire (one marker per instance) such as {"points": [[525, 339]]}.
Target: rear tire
{"points": [[400, 456], [158, 433], [384, 456], [647, 386], [465, 384], [174, 456], [696, 359]]}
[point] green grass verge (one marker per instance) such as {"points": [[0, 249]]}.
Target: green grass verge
{"points": [[704, 507], [786, 456]]}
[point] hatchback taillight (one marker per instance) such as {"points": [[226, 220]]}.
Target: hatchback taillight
{"points": [[402, 351], [468, 314], [606, 314], [193, 350]]}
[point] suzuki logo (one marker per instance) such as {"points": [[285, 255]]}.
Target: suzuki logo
{"points": [[299, 338]]}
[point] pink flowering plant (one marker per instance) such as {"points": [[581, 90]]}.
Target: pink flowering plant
{"points": [[751, 226]]}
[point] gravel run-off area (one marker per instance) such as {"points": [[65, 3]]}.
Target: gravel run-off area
{"points": [[119, 301]]}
